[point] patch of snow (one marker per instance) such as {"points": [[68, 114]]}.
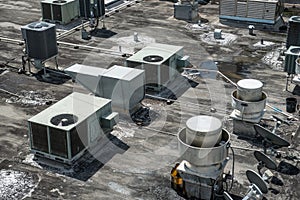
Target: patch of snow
{"points": [[227, 38], [119, 188], [15, 184], [57, 190], [30, 98], [272, 59]]}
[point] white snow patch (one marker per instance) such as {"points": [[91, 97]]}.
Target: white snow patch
{"points": [[265, 44], [227, 38], [15, 184], [29, 159], [271, 59], [57, 190], [119, 188]]}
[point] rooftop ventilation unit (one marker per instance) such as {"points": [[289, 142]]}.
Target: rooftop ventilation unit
{"points": [[258, 12], [65, 130], [186, 10], [60, 11], [40, 40], [123, 85], [290, 57], [160, 62], [293, 37], [92, 8], [203, 146]]}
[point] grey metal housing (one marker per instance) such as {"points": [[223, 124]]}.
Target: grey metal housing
{"points": [[40, 40]]}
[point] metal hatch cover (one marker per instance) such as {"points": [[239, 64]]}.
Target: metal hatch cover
{"points": [[274, 139], [256, 179], [266, 160]]}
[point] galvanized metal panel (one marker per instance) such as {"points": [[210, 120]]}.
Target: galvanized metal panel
{"points": [[228, 7], [40, 38], [270, 11], [255, 9], [241, 10]]}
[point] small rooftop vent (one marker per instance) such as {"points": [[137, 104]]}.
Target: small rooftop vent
{"points": [[153, 58], [64, 120]]}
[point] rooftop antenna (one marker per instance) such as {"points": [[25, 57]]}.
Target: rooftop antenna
{"points": [[270, 139], [258, 186]]}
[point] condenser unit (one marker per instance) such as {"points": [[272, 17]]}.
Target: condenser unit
{"points": [[160, 62], [91, 8], [293, 37], [290, 59], [60, 11], [40, 40], [64, 131]]}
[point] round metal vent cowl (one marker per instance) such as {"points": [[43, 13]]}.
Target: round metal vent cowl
{"points": [[153, 58], [64, 120]]}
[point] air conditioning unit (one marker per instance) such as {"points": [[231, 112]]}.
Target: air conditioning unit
{"points": [[290, 57], [65, 130], [91, 8], [60, 11], [40, 40]]}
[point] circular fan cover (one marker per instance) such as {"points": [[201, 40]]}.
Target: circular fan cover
{"points": [[153, 58], [59, 1], [64, 120], [295, 50]]}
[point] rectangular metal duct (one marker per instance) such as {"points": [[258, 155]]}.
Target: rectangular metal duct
{"points": [[66, 129], [40, 40], [60, 11], [123, 85]]}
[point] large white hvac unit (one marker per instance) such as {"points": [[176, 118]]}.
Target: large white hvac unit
{"points": [[92, 8], [60, 11], [40, 40], [123, 85], [160, 62], [65, 130], [252, 11]]}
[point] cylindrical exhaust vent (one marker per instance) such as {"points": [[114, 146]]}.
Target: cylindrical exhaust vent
{"points": [[249, 90], [203, 131]]}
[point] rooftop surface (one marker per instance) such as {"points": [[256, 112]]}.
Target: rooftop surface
{"points": [[135, 162]]}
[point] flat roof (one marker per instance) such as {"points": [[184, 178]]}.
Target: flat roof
{"points": [[163, 50], [78, 104]]}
